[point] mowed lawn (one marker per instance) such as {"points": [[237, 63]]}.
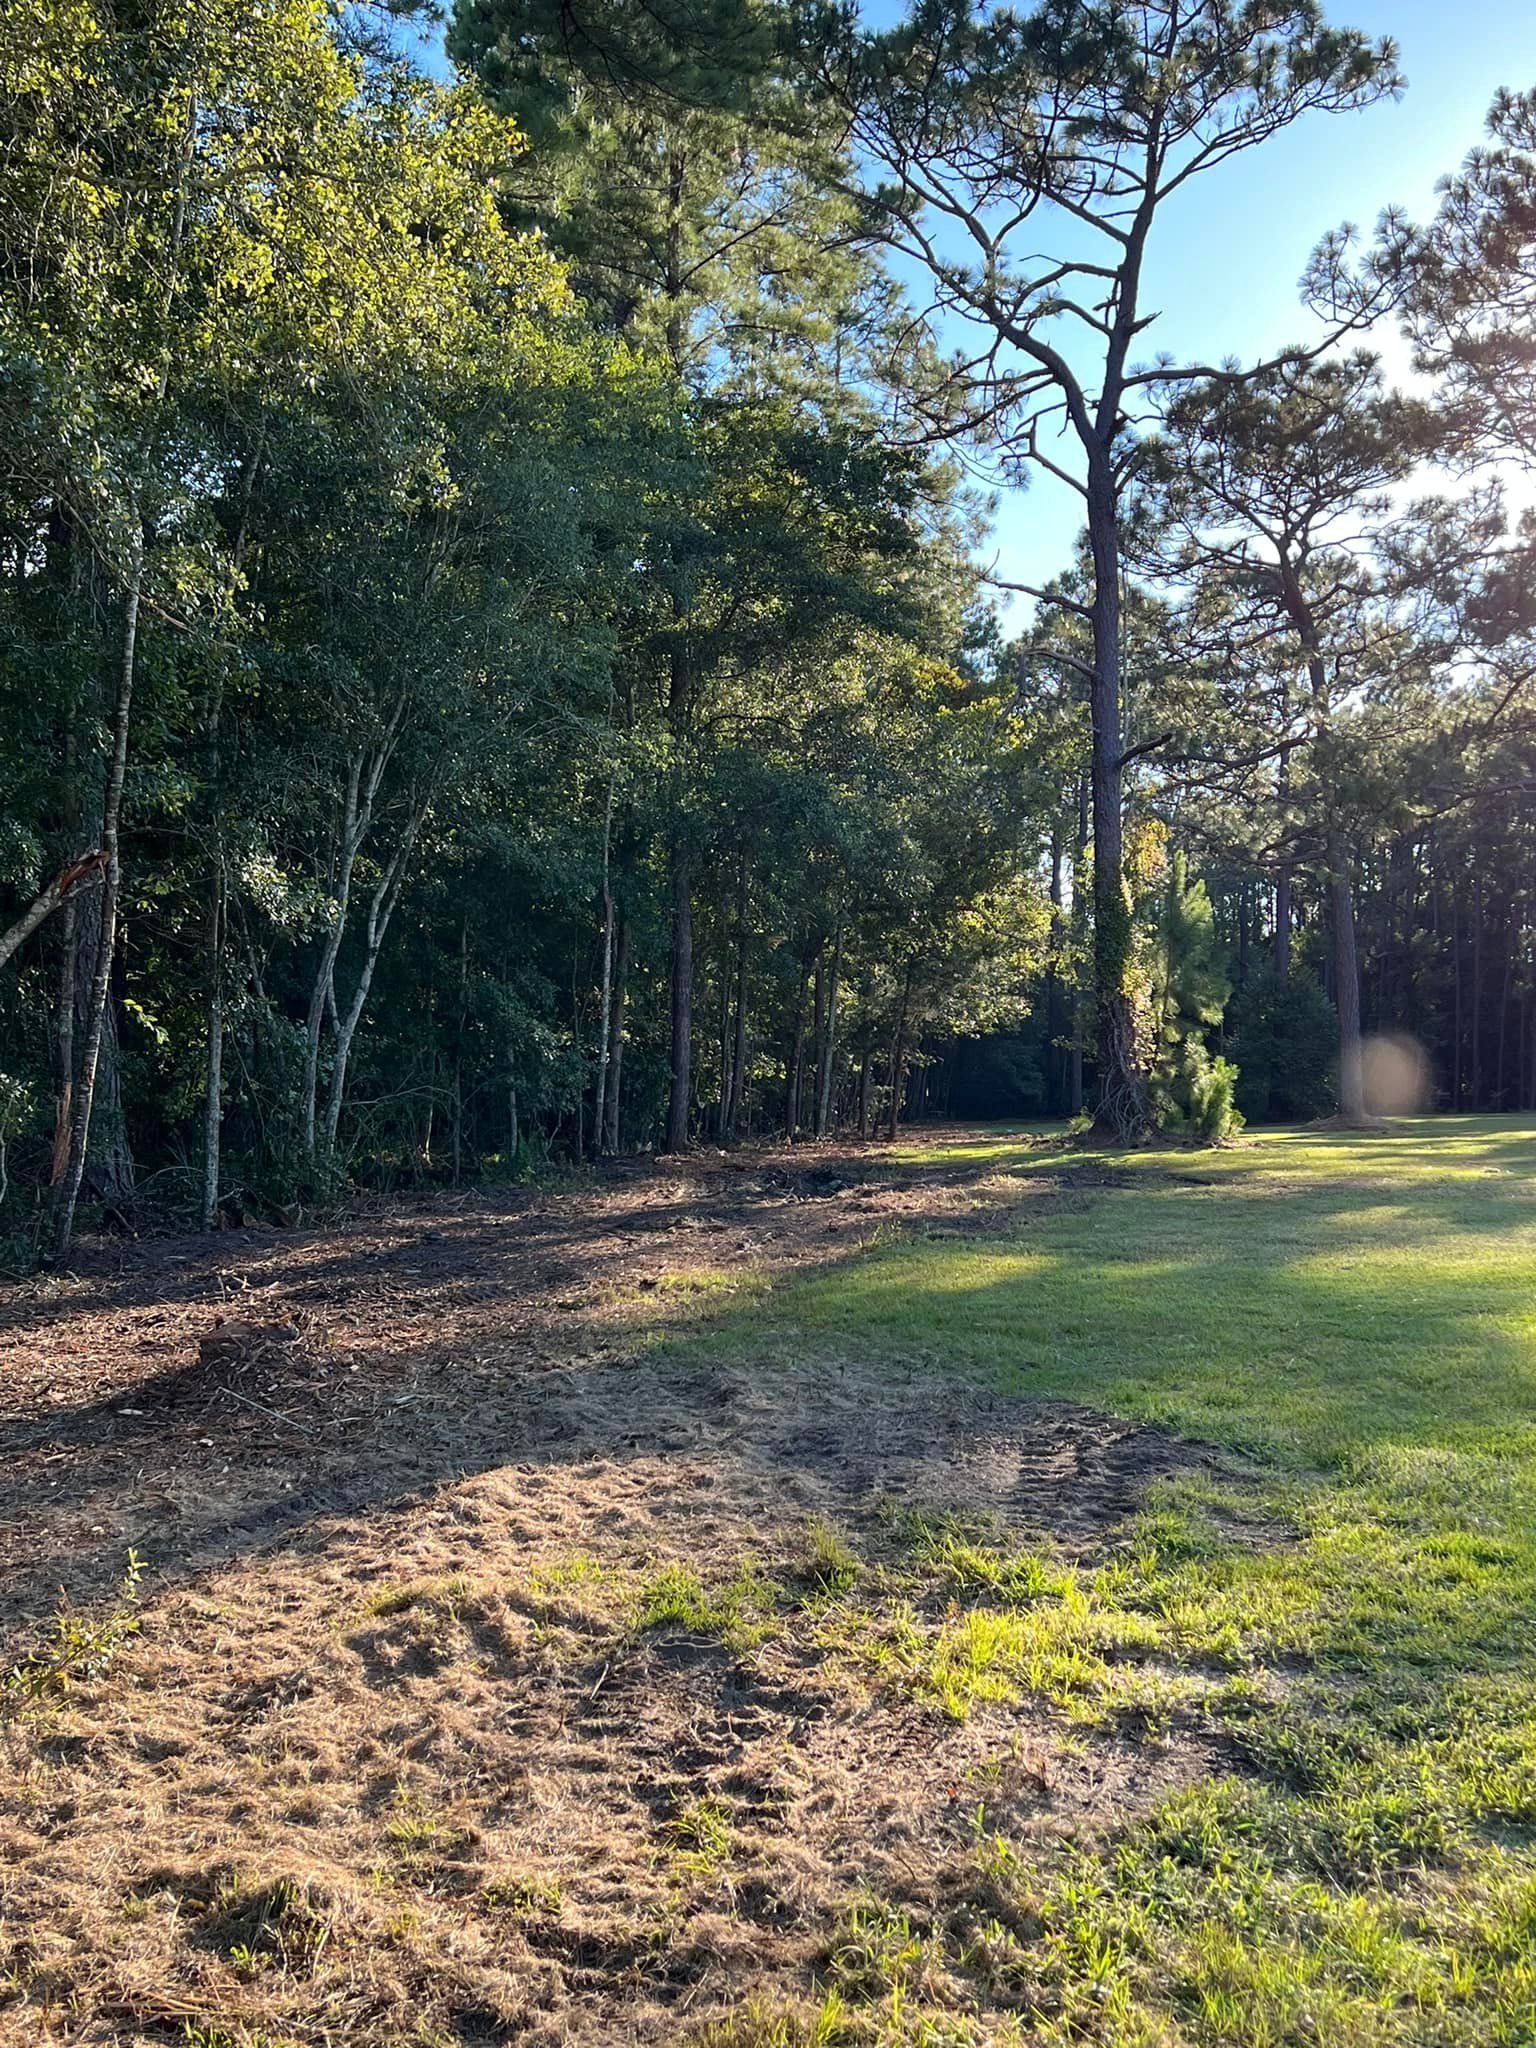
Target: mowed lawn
{"points": [[1353, 1620]]}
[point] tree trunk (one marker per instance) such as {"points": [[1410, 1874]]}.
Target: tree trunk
{"points": [[322, 995], [1346, 982], [365, 774], [1456, 1046], [68, 1193], [64, 1045], [1124, 1111], [829, 1041], [213, 1075], [1283, 879], [381, 909], [899, 1056], [796, 1067], [1341, 895], [616, 1034], [213, 974], [1055, 1052], [682, 1002], [109, 1167], [605, 998], [1242, 931], [739, 1059], [866, 1090], [1477, 990], [1079, 1020]]}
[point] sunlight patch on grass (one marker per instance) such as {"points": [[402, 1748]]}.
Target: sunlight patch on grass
{"points": [[1354, 1623]]}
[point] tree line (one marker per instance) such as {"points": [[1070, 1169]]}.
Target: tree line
{"points": [[492, 642]]}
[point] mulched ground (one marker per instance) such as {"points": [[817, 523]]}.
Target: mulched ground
{"points": [[194, 1395], [475, 1791]]}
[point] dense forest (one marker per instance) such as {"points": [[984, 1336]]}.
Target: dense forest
{"points": [[500, 651]]}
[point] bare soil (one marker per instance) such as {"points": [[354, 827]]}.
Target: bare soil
{"points": [[388, 1759]]}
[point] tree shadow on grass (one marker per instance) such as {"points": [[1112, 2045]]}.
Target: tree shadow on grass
{"points": [[1304, 1323], [1309, 1324]]}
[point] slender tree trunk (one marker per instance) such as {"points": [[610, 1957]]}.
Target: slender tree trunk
{"points": [[64, 1046], [682, 1002], [1341, 895], [723, 1106], [1079, 907], [829, 1040], [1283, 924], [1054, 1023], [818, 1037], [579, 1151], [68, 1193], [866, 1090], [322, 995], [213, 1074], [796, 1059], [1242, 931], [739, 1056], [381, 909], [1283, 881], [63, 1035], [458, 1051], [1456, 1062], [1346, 981], [1477, 990], [109, 1165], [213, 974], [616, 1033], [605, 998], [899, 1055]]}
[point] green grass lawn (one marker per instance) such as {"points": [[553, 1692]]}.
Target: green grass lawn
{"points": [[1356, 1315]]}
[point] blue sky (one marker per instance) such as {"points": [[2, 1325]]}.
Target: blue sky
{"points": [[1224, 268], [1229, 252]]}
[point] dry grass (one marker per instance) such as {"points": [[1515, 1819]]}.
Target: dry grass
{"points": [[496, 1680], [563, 1755]]}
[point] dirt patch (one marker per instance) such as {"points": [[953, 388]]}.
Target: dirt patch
{"points": [[483, 1687]]}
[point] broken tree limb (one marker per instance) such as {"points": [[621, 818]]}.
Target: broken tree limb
{"points": [[48, 901]]}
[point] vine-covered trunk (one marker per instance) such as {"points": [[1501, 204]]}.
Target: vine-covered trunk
{"points": [[1124, 1111]]}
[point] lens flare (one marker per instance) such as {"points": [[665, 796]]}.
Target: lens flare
{"points": [[1395, 1070]]}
